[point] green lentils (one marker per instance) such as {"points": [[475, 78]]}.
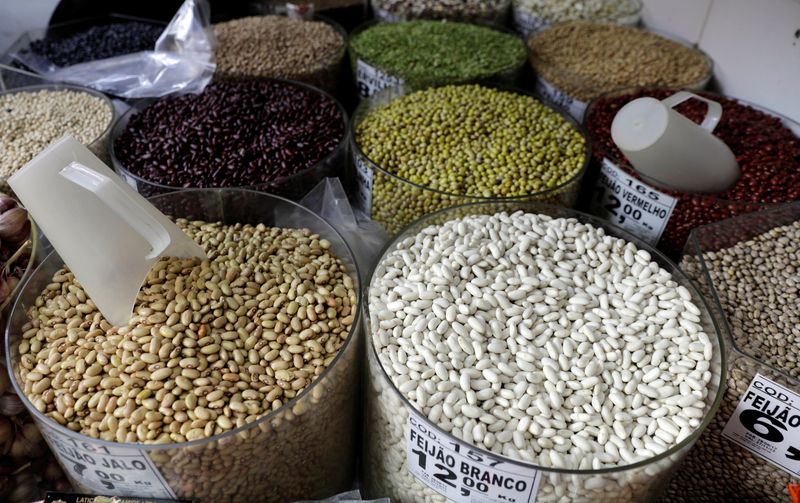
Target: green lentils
{"points": [[466, 140], [433, 52]]}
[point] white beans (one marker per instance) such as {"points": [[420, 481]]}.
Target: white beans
{"points": [[562, 360]]}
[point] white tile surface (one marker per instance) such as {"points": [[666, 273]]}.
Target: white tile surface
{"points": [[683, 18], [756, 49]]}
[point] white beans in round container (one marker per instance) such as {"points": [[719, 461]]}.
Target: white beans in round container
{"points": [[539, 341]]}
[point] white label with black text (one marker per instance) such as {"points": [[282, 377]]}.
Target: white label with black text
{"points": [[573, 107], [107, 470], [364, 182], [626, 202], [370, 80], [527, 23], [460, 473], [767, 423]]}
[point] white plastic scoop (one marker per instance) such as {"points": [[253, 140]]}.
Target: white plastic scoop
{"points": [[671, 150], [106, 233]]}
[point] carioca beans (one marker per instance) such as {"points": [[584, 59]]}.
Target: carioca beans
{"points": [[767, 151]]}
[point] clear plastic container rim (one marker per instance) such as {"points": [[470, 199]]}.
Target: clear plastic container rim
{"points": [[725, 325], [360, 114], [34, 245], [500, 29], [55, 86], [139, 105], [113, 16], [532, 207], [636, 7], [216, 194], [788, 123], [342, 50], [700, 83]]}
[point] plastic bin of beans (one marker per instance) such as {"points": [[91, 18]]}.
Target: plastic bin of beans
{"points": [[90, 39], [578, 61], [485, 12], [524, 352], [766, 145], [532, 16], [268, 134], [428, 53], [33, 117], [748, 265], [234, 379], [416, 152], [281, 47]]}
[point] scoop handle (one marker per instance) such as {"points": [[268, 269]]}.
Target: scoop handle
{"points": [[713, 114], [121, 205]]}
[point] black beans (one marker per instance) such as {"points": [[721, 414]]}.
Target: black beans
{"points": [[98, 42], [233, 134]]}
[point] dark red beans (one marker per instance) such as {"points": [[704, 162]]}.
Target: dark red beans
{"points": [[768, 154], [233, 134]]}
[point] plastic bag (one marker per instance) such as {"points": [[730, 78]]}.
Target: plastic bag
{"points": [[182, 61], [365, 237], [348, 497]]}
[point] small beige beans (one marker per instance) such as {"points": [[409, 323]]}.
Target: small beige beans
{"points": [[185, 381]]}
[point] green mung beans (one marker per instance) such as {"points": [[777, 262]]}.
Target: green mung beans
{"points": [[468, 141]]}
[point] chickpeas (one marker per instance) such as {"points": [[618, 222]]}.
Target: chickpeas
{"points": [[436, 147]]}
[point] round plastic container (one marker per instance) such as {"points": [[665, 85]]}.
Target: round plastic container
{"points": [[326, 76], [99, 146], [395, 202], [726, 467], [532, 17], [304, 450], [580, 91], [494, 13], [682, 211], [371, 77], [388, 411], [293, 186]]}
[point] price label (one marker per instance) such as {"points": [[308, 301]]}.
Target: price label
{"points": [[573, 107], [458, 472], [370, 80], [767, 423], [626, 202], [364, 181], [527, 23], [107, 470]]}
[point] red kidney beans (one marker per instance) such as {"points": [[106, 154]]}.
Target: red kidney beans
{"points": [[767, 151], [233, 134]]}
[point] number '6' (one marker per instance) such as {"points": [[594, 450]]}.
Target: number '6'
{"points": [[763, 425]]}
